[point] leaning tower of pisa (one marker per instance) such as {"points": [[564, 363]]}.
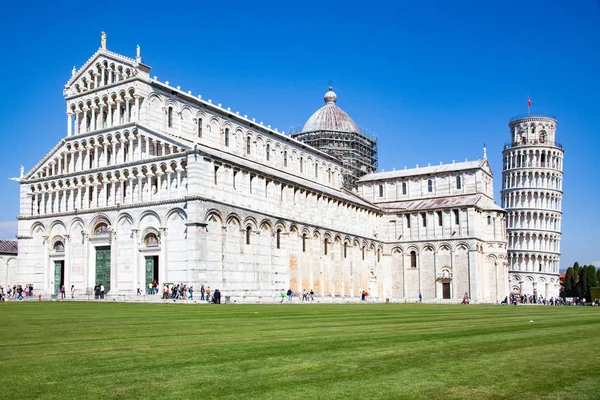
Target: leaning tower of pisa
{"points": [[532, 196]]}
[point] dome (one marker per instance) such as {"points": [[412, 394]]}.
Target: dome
{"points": [[330, 117]]}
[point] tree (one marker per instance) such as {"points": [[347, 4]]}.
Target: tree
{"points": [[568, 283], [575, 282], [582, 285], [592, 281], [598, 276]]}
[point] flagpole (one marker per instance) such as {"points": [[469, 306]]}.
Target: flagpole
{"points": [[528, 106]]}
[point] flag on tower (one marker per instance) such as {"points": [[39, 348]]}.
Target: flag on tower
{"points": [[528, 101]]}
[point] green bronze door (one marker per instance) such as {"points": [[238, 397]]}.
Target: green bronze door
{"points": [[58, 276], [103, 267], [149, 270]]}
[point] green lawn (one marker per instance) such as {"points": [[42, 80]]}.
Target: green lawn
{"points": [[282, 351]]}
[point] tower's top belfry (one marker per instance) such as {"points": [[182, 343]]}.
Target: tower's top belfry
{"points": [[533, 129]]}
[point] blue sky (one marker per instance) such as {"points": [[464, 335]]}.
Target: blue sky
{"points": [[435, 80]]}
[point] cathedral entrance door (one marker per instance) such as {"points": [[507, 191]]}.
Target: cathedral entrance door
{"points": [[59, 275], [151, 269], [103, 267], [445, 290]]}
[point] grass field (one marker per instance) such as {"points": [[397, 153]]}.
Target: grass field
{"points": [[376, 351]]}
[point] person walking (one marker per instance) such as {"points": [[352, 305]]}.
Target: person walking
{"points": [[139, 289], [191, 293], [282, 296], [202, 291], [289, 294], [72, 291], [101, 291], [208, 294], [62, 292]]}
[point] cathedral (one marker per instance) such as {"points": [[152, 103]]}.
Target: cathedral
{"points": [[152, 183]]}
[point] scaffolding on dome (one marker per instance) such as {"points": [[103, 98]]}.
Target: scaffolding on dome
{"points": [[356, 151]]}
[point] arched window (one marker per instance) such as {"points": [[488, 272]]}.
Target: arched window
{"points": [[285, 158], [458, 182], [199, 127], [301, 164], [378, 255], [278, 238], [345, 250], [325, 242], [316, 170], [151, 240], [413, 259], [248, 141], [489, 220], [268, 152], [380, 190], [329, 175], [248, 233], [430, 186], [170, 117], [226, 137], [403, 187], [363, 252], [304, 242], [542, 136], [59, 246]]}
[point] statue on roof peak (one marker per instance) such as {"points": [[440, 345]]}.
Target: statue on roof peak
{"points": [[103, 40]]}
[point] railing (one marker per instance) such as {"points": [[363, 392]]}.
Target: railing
{"points": [[527, 115], [531, 142]]}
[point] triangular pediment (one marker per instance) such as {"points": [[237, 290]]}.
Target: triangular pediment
{"points": [[73, 144], [91, 75], [486, 167]]}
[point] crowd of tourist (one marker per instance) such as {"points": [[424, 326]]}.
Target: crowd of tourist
{"points": [[16, 292], [182, 291], [532, 299]]}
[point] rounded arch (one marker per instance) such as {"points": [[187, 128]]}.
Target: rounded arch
{"points": [[428, 247], [414, 248], [265, 225], [462, 246], [57, 228], [397, 250], [172, 103], [147, 216], [280, 225], [76, 226], [124, 222], [58, 244], [444, 248], [233, 218], [97, 220], [251, 222], [212, 216]]}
